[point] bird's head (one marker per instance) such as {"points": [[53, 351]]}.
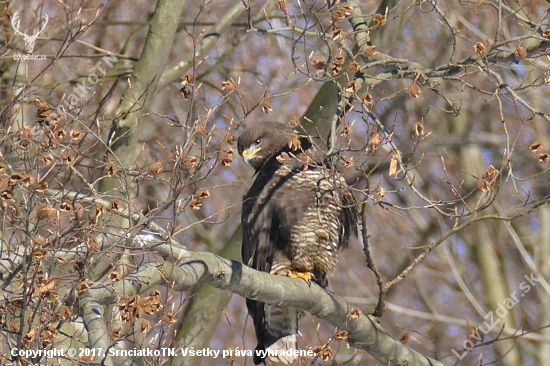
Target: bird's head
{"points": [[262, 140]]}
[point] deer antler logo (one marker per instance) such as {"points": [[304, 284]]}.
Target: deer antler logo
{"points": [[29, 40]]}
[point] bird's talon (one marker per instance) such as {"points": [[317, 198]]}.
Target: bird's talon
{"points": [[306, 276]]}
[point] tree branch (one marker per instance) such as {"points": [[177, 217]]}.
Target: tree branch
{"points": [[173, 72], [364, 332]]}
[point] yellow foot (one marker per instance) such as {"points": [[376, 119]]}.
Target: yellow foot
{"points": [[306, 276]]}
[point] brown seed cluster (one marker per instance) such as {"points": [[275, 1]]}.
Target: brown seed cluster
{"points": [[132, 307], [379, 20], [156, 168], [337, 63], [229, 85], [488, 179], [187, 87], [537, 147], [415, 90], [197, 198], [324, 352], [480, 49], [190, 162], [227, 156]]}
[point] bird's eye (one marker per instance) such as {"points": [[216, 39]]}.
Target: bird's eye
{"points": [[257, 141]]}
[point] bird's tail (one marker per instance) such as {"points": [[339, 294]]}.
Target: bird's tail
{"points": [[280, 335]]}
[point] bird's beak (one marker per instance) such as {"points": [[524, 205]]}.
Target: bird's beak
{"points": [[249, 154]]}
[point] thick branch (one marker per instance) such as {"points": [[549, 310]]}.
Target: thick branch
{"points": [[143, 85], [94, 321], [364, 332]]}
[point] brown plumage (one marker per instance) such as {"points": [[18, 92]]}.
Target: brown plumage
{"points": [[296, 215]]}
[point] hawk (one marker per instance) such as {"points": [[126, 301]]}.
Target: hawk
{"points": [[296, 215]]}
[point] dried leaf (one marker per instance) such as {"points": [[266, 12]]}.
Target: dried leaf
{"points": [[520, 52], [185, 92], [39, 254], [354, 66], [65, 312], [86, 358], [336, 65], [195, 204], [48, 334], [346, 9], [337, 34], [226, 162], [41, 187], [186, 79], [29, 337], [190, 162], [65, 206], [115, 276], [367, 99], [229, 85], [200, 127], [483, 185], [144, 326], [295, 144], [370, 51], [324, 353], [227, 156], [46, 159], [116, 333], [156, 168], [341, 336], [60, 134], [6, 195], [78, 265], [44, 211], [375, 140], [202, 193], [92, 243], [379, 20], [169, 319], [480, 49], [535, 147], [284, 158], [347, 161], [415, 90], [82, 287], [337, 16], [111, 170], [351, 87], [339, 60], [281, 5], [491, 173], [318, 63]]}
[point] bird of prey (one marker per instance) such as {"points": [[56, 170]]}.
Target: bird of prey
{"points": [[297, 213]]}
